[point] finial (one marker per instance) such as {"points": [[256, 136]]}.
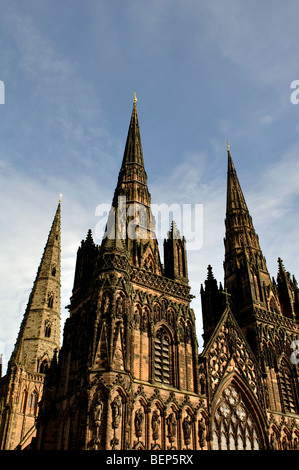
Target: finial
{"points": [[227, 295], [60, 197], [135, 97], [227, 146]]}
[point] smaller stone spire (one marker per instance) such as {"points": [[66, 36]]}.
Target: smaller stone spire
{"points": [[286, 291], [39, 332]]}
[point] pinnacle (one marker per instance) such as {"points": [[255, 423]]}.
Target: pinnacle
{"points": [[210, 273], [174, 232]]}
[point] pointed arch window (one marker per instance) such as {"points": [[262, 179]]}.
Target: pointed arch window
{"points": [[163, 357], [32, 404], [287, 389], [234, 425], [44, 366], [50, 301], [47, 329]]}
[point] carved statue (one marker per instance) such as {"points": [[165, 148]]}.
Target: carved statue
{"points": [[156, 313], [155, 425], [273, 441], [136, 317], [201, 432], [116, 411], [97, 416], [139, 417], [119, 307], [187, 429], [171, 427]]}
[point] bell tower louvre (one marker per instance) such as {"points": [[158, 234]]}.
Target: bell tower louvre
{"points": [[128, 374]]}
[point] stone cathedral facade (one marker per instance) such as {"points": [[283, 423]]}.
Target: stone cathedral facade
{"points": [[128, 374]]}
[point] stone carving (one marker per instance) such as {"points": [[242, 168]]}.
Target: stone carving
{"points": [[139, 417], [201, 432], [187, 429], [220, 356], [273, 441], [119, 310], [171, 427], [155, 425], [97, 415], [116, 411]]}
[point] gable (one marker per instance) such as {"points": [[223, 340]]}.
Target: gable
{"points": [[228, 353]]}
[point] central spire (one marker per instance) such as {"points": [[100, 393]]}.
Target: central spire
{"points": [[133, 148], [132, 178], [131, 218]]}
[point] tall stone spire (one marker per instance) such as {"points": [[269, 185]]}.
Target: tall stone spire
{"points": [[37, 343], [246, 275], [132, 179], [39, 334], [131, 221], [245, 272]]}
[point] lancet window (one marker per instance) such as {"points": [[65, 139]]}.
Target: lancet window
{"points": [[163, 362]]}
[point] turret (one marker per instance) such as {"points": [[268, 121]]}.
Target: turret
{"points": [[213, 304], [175, 256]]}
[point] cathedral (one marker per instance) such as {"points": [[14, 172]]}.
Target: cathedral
{"points": [[128, 374]]}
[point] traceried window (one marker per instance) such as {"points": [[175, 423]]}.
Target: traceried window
{"points": [[287, 389], [162, 350], [234, 426]]}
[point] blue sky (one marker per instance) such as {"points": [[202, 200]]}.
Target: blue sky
{"points": [[203, 72]]}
